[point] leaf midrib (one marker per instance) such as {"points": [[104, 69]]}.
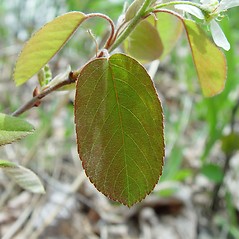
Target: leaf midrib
{"points": [[121, 125]]}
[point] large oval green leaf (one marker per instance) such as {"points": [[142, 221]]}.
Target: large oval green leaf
{"points": [[209, 60], [12, 129], [119, 126], [44, 44], [144, 42]]}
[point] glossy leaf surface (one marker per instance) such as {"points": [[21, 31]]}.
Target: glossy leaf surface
{"points": [[119, 126], [209, 61], [44, 44], [12, 129], [22, 176], [144, 42]]}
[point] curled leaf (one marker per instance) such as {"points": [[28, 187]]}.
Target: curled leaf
{"points": [[24, 177]]}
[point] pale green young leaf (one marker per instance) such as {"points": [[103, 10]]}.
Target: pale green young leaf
{"points": [[44, 44], [22, 176], [44, 76], [144, 42], [170, 29], [13, 128]]}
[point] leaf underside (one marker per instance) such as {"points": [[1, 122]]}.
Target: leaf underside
{"points": [[119, 126], [12, 129], [22, 176], [44, 44]]}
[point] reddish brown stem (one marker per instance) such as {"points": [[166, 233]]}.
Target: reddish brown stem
{"points": [[111, 36], [71, 79]]}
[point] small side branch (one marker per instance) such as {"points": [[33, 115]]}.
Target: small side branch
{"points": [[31, 103]]}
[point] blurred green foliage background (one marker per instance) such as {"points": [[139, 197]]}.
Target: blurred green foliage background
{"points": [[195, 127]]}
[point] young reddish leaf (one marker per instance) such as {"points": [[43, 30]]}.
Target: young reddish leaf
{"points": [[144, 42], [24, 177], [44, 44], [209, 61], [119, 126], [12, 129]]}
